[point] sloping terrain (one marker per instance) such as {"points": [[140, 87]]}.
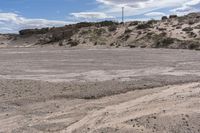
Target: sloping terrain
{"points": [[174, 32]]}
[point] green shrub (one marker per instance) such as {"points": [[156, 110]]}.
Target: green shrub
{"points": [[83, 24], [106, 23]]}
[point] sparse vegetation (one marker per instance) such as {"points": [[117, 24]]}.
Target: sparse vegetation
{"points": [[163, 42], [161, 29], [33, 31], [127, 31], [179, 27], [134, 23], [151, 22], [153, 33], [191, 22], [112, 28], [144, 26], [187, 29], [192, 34], [197, 27], [173, 16], [99, 31], [85, 32], [106, 23], [193, 46], [83, 24], [73, 43]]}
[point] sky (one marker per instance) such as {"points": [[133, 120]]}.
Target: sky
{"points": [[16, 15]]}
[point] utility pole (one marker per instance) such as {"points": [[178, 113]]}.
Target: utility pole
{"points": [[123, 15]]}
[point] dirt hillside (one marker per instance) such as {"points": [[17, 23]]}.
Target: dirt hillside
{"points": [[181, 32]]}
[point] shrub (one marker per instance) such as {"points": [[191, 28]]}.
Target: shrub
{"points": [[112, 28], [193, 46], [179, 27], [187, 29], [162, 29], [99, 31], [143, 26], [167, 40], [151, 22], [150, 34], [127, 31], [139, 32], [134, 23], [164, 18], [173, 16], [192, 34], [83, 24], [191, 22], [127, 37], [106, 23], [164, 42], [84, 32], [73, 43], [197, 27], [33, 31]]}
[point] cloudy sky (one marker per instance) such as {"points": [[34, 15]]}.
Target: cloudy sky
{"points": [[20, 14]]}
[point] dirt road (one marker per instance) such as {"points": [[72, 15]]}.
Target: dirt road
{"points": [[61, 90]]}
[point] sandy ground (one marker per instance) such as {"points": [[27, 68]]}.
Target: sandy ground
{"points": [[99, 90]]}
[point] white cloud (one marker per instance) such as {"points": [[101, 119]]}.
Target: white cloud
{"points": [[187, 7], [12, 23], [140, 7], [155, 14], [90, 15]]}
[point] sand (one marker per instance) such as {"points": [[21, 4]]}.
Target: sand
{"points": [[99, 90]]}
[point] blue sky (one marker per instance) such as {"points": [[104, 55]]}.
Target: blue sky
{"points": [[20, 14]]}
